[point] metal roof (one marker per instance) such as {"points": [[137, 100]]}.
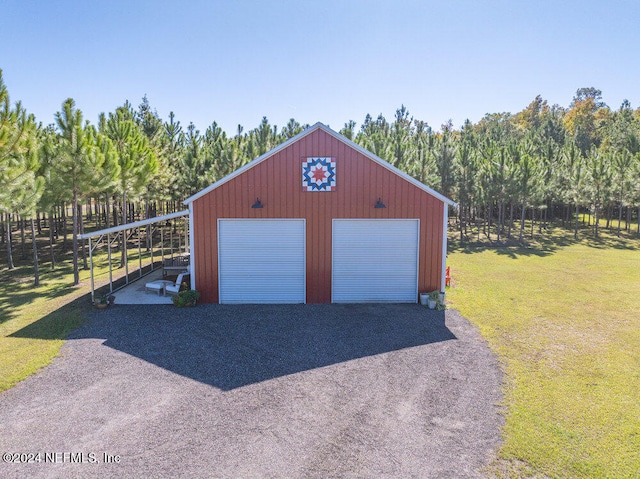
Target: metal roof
{"points": [[137, 224], [338, 136]]}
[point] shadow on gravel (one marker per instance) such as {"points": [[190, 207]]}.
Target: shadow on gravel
{"points": [[233, 346]]}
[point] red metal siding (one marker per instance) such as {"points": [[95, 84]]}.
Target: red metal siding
{"points": [[277, 181]]}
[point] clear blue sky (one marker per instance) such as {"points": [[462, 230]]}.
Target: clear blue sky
{"points": [[329, 61]]}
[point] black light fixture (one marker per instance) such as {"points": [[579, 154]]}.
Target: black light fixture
{"points": [[380, 204], [257, 204]]}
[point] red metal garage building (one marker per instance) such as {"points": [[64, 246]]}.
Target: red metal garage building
{"points": [[318, 219]]}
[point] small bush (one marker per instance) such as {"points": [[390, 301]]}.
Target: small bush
{"points": [[435, 296], [188, 297]]}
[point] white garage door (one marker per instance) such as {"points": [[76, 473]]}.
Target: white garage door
{"points": [[261, 261], [375, 260]]}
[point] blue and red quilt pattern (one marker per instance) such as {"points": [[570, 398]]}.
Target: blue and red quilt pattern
{"points": [[319, 173]]}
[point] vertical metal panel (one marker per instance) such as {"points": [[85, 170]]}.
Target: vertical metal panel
{"points": [[360, 182], [203, 266]]}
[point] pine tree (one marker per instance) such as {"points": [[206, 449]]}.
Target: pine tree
{"points": [[80, 164], [18, 161]]}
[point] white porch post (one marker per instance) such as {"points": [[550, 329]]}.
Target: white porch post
{"points": [[91, 270], [192, 259]]}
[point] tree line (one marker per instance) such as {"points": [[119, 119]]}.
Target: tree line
{"points": [[543, 163]]}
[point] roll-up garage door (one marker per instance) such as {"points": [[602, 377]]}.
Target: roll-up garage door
{"points": [[375, 260], [261, 261]]}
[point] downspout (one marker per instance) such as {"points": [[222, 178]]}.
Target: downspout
{"points": [[445, 224]]}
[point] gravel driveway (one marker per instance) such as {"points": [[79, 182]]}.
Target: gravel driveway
{"points": [[259, 391]]}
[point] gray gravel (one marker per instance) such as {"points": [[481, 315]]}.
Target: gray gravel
{"points": [[347, 391]]}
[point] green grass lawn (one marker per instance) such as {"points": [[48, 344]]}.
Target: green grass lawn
{"points": [[563, 316], [35, 321]]}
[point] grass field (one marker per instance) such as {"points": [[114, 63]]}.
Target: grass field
{"points": [[35, 321], [564, 318], [562, 315]]}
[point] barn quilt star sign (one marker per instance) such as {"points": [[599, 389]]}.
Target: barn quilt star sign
{"points": [[319, 173]]}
